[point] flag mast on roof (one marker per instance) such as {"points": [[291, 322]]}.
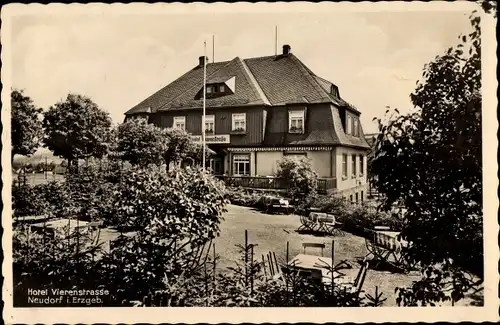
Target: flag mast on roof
{"points": [[204, 100]]}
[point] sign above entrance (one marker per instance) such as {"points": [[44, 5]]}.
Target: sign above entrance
{"points": [[212, 139]]}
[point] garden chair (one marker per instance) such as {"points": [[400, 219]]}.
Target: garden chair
{"points": [[306, 224], [382, 246], [329, 224]]}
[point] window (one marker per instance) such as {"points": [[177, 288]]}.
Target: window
{"points": [[179, 122], [296, 121], [355, 127], [241, 165], [361, 165], [362, 196], [348, 126], [209, 89], [222, 88], [334, 91], [353, 166], [344, 166], [357, 198], [210, 124], [239, 122], [350, 197]]}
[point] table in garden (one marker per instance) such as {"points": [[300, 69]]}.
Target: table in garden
{"points": [[65, 228], [316, 221], [319, 267]]}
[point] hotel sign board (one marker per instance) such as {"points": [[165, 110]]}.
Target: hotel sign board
{"points": [[212, 139]]}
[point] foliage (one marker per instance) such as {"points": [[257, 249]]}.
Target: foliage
{"points": [[140, 142], [241, 197], [51, 198], [26, 127], [174, 216], [430, 162], [302, 177], [46, 262], [76, 128], [355, 217], [190, 196], [180, 146], [91, 190], [439, 284], [195, 153]]}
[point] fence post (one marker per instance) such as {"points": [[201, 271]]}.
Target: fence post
{"points": [[246, 257]]}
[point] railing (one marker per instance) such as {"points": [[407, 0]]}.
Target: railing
{"points": [[273, 183]]}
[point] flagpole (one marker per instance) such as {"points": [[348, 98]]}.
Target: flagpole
{"points": [[204, 100]]}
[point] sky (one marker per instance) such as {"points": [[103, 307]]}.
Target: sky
{"points": [[375, 58]]}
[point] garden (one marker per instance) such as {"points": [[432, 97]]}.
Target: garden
{"points": [[136, 214]]}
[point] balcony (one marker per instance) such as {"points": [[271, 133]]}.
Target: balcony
{"points": [[273, 183]]}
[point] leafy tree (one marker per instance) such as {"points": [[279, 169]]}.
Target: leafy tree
{"points": [[430, 161], [140, 143], [195, 153], [26, 127], [303, 180], [180, 146], [76, 128]]}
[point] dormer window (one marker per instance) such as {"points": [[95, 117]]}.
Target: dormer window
{"points": [[335, 91], [355, 133], [216, 89], [349, 125], [296, 121]]}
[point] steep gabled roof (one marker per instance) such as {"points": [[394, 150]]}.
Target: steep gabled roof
{"points": [[175, 88], [182, 92], [270, 80]]}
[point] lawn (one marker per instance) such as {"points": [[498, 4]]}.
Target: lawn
{"points": [[272, 232]]}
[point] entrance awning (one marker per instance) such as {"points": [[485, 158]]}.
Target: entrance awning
{"points": [[216, 150], [210, 151]]}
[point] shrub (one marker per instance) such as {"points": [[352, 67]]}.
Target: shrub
{"points": [[246, 198], [356, 217], [175, 215], [41, 262], [51, 198], [92, 189], [303, 180]]}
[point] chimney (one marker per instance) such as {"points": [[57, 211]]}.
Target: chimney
{"points": [[286, 50], [202, 60]]}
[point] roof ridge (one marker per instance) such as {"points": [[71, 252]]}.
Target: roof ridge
{"points": [[309, 77], [188, 89], [324, 79], [254, 82]]}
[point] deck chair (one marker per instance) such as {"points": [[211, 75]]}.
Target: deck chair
{"points": [[376, 248], [315, 245]]}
